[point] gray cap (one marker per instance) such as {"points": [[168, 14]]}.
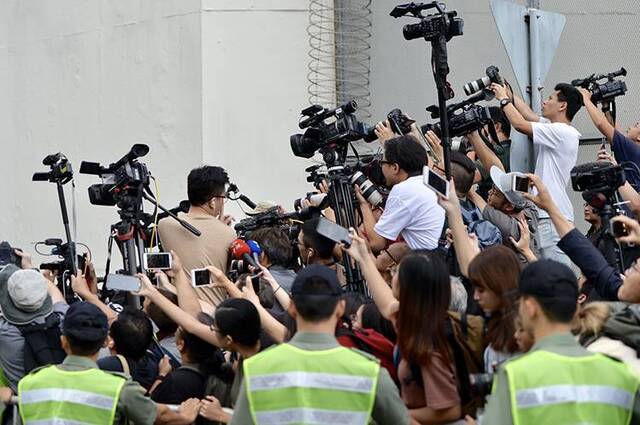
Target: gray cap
{"points": [[502, 181], [23, 295]]}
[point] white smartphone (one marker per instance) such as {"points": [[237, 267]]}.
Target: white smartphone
{"points": [[157, 261], [435, 182], [520, 183], [200, 277], [122, 282]]}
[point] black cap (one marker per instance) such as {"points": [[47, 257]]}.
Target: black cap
{"points": [[85, 322], [548, 279], [303, 283]]}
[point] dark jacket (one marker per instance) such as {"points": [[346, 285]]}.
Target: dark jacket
{"points": [[594, 266]]}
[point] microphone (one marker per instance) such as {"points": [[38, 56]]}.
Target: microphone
{"points": [[255, 249], [240, 250]]}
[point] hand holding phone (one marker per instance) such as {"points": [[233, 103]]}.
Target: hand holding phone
{"points": [[520, 183], [333, 231], [200, 277], [122, 282], [435, 182]]}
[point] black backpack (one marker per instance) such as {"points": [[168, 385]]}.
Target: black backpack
{"points": [[214, 386], [42, 343]]}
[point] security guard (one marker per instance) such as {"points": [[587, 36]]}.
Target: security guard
{"points": [[312, 379], [558, 381], [78, 392]]}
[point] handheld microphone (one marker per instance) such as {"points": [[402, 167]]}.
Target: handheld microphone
{"points": [[255, 249], [240, 250]]}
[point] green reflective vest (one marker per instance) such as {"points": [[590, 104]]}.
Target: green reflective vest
{"points": [[549, 388], [54, 396], [287, 385]]}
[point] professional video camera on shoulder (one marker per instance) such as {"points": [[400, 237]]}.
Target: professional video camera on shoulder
{"points": [[343, 129], [119, 178], [464, 117], [604, 92], [430, 27]]}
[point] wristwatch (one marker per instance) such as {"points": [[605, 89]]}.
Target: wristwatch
{"points": [[504, 102]]}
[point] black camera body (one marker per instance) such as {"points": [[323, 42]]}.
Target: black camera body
{"points": [[400, 123], [469, 119], [604, 92], [8, 255], [320, 133], [61, 170], [602, 177], [430, 27], [493, 76], [119, 178]]}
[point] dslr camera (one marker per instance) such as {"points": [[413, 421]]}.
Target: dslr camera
{"points": [[8, 255], [464, 117], [493, 76], [119, 178], [606, 91], [343, 129]]}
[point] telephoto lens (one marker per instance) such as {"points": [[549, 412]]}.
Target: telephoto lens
{"points": [[369, 190], [477, 85]]}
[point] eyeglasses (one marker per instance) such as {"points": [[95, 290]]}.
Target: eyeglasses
{"points": [[384, 161], [224, 197]]}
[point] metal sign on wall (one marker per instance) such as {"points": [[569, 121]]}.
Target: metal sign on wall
{"points": [[530, 37]]}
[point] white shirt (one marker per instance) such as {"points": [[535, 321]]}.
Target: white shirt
{"points": [[412, 211], [557, 155]]}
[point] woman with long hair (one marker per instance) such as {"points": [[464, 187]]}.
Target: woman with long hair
{"points": [[417, 304], [494, 274]]}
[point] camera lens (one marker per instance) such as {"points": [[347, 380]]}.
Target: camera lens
{"points": [[369, 190], [477, 85]]}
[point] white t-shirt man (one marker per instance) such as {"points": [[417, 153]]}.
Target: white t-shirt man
{"points": [[557, 154], [412, 211]]}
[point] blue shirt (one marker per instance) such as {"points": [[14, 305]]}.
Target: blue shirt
{"points": [[626, 150]]}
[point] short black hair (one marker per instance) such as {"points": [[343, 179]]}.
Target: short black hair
{"points": [[206, 182], [571, 95], [312, 239], [239, 319], [463, 171], [132, 333], [557, 309], [80, 347], [316, 308], [275, 244], [497, 116], [407, 153], [164, 323]]}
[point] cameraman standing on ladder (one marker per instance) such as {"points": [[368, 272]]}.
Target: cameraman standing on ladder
{"points": [[557, 144]]}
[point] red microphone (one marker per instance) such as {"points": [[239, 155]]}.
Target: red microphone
{"points": [[240, 250]]}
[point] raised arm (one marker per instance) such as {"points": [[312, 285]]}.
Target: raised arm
{"points": [[380, 291], [597, 116], [522, 107], [513, 114], [486, 156], [182, 318], [187, 297], [275, 329]]}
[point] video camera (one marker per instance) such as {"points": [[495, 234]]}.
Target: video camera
{"points": [[8, 255], [471, 117], [603, 92], [602, 177], [60, 169], [61, 250], [272, 217], [430, 27], [119, 178], [319, 134]]}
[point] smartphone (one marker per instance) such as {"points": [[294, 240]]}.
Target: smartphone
{"points": [[83, 263], [333, 231], [520, 183], [435, 182], [200, 277], [122, 282], [157, 261], [619, 229]]}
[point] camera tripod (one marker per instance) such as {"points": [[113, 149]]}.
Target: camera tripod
{"points": [[130, 233], [341, 199]]}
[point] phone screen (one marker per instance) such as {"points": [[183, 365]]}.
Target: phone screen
{"points": [[520, 184], [435, 182], [619, 229], [158, 261], [123, 282], [200, 277], [333, 231]]}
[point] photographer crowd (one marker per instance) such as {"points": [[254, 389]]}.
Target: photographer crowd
{"points": [[419, 286]]}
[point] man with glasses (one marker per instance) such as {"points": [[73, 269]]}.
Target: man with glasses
{"points": [[412, 209], [206, 188]]}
